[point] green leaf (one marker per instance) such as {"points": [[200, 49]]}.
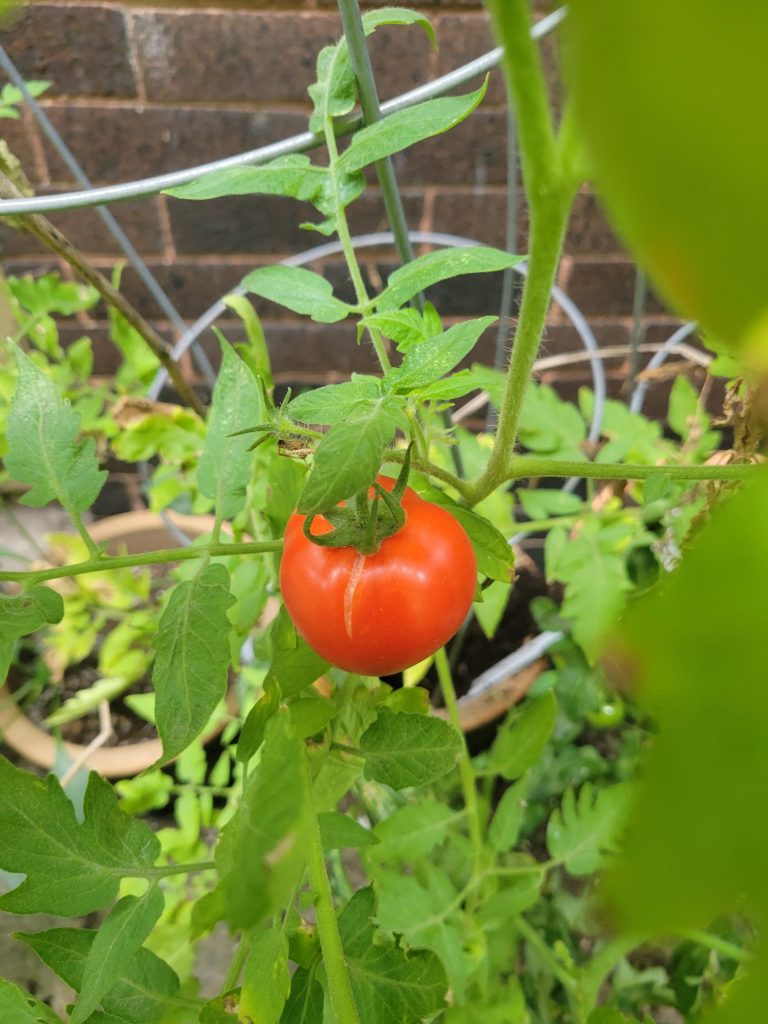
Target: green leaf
{"points": [[441, 265], [224, 469], [438, 356], [518, 893], [402, 129], [522, 738], [310, 713], [504, 830], [293, 176], [71, 868], [409, 750], [333, 93], [23, 614], [335, 402], [305, 1003], [221, 1010], [495, 557], [143, 992], [419, 913], [266, 981], [43, 446], [406, 327], [256, 352], [263, 854], [254, 727], [396, 16], [294, 665], [299, 290], [349, 456], [340, 832], [545, 501], [550, 426], [20, 1007], [122, 932], [586, 827], [389, 986], [605, 1015], [592, 564], [192, 657], [411, 831]]}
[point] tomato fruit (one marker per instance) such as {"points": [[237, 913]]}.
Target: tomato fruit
{"points": [[381, 613]]}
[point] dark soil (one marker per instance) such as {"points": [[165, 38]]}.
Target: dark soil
{"points": [[126, 725]]}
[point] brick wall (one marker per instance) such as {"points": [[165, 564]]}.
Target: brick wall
{"points": [[140, 89]]}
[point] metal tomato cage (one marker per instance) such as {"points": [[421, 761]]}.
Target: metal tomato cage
{"points": [[400, 238]]}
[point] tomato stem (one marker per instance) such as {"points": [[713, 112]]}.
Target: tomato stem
{"points": [[337, 975], [106, 562], [466, 771]]}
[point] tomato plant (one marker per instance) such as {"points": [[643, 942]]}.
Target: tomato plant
{"points": [[371, 864], [380, 613]]}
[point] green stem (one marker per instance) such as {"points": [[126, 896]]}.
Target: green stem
{"points": [[342, 229], [430, 469], [532, 937], [722, 946], [172, 869], [236, 967], [466, 771], [550, 186], [529, 466], [337, 975], [87, 539], [105, 563]]}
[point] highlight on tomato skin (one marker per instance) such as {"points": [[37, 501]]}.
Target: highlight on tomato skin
{"points": [[379, 614]]}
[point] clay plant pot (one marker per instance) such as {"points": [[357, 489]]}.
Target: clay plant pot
{"points": [[136, 533]]}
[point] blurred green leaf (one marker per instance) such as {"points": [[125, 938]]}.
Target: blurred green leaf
{"points": [[340, 832], [702, 236], [266, 981], [411, 831], [262, 851], [522, 737]]}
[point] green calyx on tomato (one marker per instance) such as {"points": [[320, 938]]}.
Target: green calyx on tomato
{"points": [[380, 613], [373, 515]]}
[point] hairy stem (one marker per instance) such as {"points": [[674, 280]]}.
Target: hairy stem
{"points": [[337, 975], [524, 466], [466, 771], [106, 562]]}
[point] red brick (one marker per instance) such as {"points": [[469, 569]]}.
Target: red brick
{"points": [[462, 38], [191, 287], [589, 232], [479, 214], [81, 50], [473, 153], [20, 137], [602, 288], [307, 351], [116, 145], [231, 55], [401, 57]]}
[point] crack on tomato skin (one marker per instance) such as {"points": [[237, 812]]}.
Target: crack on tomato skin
{"points": [[349, 591]]}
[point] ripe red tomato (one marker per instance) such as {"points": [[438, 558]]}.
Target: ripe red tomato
{"points": [[378, 614]]}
